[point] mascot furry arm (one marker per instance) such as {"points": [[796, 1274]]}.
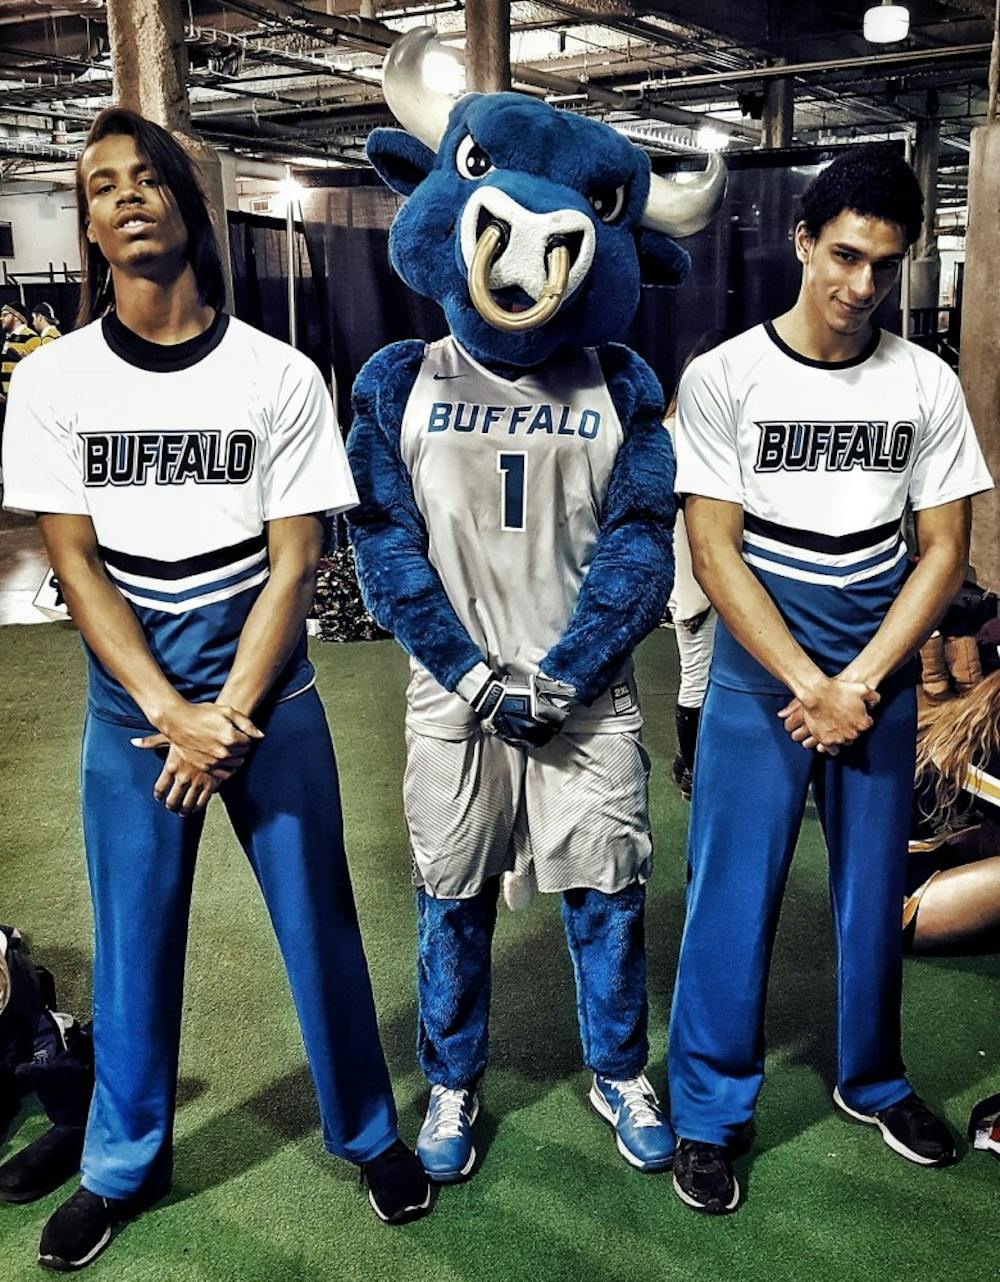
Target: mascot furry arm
{"points": [[629, 579]]}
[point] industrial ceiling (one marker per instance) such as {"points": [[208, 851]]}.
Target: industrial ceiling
{"points": [[300, 79]]}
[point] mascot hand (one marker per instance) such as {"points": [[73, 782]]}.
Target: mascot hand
{"points": [[506, 707], [553, 699]]}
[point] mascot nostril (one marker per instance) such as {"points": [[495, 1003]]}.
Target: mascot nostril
{"points": [[488, 219], [572, 242]]}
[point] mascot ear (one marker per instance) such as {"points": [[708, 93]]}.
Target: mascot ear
{"points": [[661, 260], [399, 159]]}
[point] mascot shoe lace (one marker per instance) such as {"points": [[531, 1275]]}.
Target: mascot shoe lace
{"points": [[444, 1144], [642, 1133]]}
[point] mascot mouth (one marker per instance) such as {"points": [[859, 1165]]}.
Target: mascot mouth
{"points": [[512, 299], [512, 309]]}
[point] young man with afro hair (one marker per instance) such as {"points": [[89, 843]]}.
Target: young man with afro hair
{"points": [[799, 444]]}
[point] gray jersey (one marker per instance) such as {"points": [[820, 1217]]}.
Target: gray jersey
{"points": [[510, 479]]}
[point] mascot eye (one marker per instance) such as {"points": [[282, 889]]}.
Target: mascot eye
{"points": [[608, 203], [470, 159]]}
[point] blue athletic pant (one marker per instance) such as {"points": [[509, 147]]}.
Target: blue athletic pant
{"points": [[607, 946], [284, 805], [750, 788]]}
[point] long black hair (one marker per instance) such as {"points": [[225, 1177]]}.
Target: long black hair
{"points": [[175, 170]]}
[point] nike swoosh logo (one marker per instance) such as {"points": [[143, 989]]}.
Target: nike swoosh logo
{"points": [[441, 376]]}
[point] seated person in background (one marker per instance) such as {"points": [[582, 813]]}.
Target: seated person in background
{"points": [[953, 886]]}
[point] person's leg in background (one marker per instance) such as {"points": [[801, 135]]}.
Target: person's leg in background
{"points": [[695, 642]]}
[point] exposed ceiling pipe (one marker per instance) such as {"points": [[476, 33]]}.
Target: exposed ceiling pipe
{"points": [[18, 10], [639, 105], [355, 29], [76, 117], [785, 70], [25, 150]]}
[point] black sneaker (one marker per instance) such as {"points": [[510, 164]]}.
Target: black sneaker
{"points": [[79, 1230], [40, 1168], [703, 1177], [398, 1187], [910, 1129]]}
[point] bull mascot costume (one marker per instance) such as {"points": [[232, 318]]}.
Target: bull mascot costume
{"points": [[515, 535]]}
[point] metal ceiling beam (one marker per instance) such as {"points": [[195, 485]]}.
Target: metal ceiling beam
{"points": [[355, 30], [805, 69]]}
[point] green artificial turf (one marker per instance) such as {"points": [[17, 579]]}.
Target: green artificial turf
{"points": [[255, 1196]]}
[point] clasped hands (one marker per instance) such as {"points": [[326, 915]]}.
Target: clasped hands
{"points": [[206, 744], [525, 712], [835, 713]]}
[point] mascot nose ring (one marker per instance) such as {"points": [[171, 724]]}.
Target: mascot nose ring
{"points": [[489, 246]]}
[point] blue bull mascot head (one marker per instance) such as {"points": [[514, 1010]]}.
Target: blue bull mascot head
{"points": [[532, 227]]}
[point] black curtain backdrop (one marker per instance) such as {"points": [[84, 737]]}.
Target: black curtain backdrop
{"points": [[744, 268], [258, 249], [367, 305]]}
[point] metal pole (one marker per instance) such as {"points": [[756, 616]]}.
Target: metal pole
{"points": [[290, 256], [904, 292]]}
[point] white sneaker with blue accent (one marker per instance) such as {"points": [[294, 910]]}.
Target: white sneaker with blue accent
{"points": [[643, 1135], [444, 1144]]}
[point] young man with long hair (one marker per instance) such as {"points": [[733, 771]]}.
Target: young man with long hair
{"points": [[799, 444], [180, 463]]}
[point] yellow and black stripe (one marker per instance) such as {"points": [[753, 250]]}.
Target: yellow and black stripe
{"points": [[20, 342]]}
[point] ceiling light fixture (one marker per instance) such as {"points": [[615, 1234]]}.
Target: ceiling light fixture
{"points": [[710, 139], [886, 23], [290, 191]]}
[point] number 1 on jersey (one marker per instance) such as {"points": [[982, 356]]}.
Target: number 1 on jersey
{"points": [[512, 468]]}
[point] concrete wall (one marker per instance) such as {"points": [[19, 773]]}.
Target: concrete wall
{"points": [[44, 226], [980, 362]]}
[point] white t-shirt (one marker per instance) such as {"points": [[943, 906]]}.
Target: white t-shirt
{"points": [[510, 479], [179, 455], [823, 458], [687, 598]]}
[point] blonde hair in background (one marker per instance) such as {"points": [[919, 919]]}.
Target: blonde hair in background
{"points": [[961, 733]]}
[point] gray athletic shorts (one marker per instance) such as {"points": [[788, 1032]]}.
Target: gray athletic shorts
{"points": [[575, 813]]}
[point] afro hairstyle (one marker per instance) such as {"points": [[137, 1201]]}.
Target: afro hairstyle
{"points": [[871, 181]]}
